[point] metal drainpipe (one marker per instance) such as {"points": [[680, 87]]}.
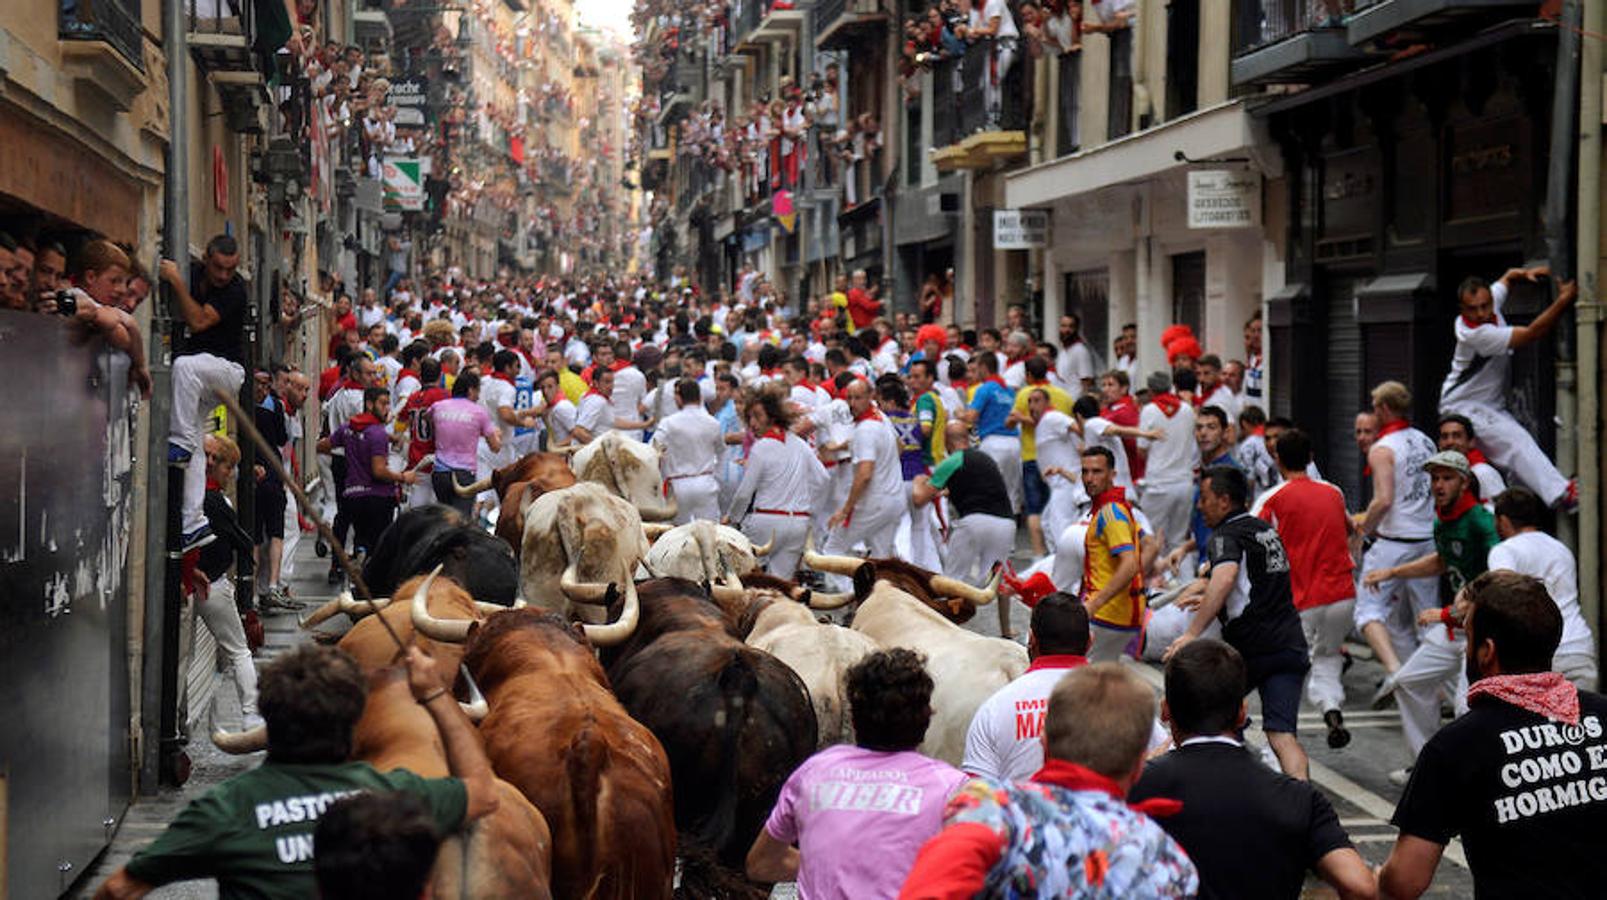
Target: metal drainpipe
{"points": [[1588, 316], [176, 237]]}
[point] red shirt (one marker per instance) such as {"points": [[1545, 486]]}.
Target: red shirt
{"points": [[419, 425], [1125, 412], [1310, 517], [861, 308], [328, 379]]}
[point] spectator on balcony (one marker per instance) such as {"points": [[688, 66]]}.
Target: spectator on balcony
{"points": [[995, 21]]}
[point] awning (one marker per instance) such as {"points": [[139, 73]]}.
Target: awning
{"points": [[1222, 130], [1405, 297]]}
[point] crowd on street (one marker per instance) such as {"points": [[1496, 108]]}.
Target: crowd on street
{"points": [[1168, 517]]}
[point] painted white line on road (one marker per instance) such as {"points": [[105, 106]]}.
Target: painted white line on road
{"points": [[1332, 781]]}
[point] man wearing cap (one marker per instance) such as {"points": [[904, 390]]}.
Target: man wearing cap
{"points": [[1464, 534]]}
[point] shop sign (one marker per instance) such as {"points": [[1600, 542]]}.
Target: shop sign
{"points": [[407, 96], [1223, 199], [404, 183], [1020, 229]]}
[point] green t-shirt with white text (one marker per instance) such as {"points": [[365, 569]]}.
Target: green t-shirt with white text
{"points": [[253, 833]]}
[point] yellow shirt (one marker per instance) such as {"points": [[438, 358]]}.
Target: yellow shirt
{"points": [[1058, 398], [1113, 533], [839, 300], [573, 386]]}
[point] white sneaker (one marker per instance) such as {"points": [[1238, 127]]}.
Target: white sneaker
{"points": [[1399, 777]]}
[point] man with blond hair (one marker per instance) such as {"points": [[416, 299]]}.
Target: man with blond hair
{"points": [[1068, 831]]}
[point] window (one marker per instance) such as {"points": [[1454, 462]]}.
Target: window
{"points": [[1188, 289], [1087, 295], [1121, 83], [1182, 57]]}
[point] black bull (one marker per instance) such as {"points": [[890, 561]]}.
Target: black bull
{"points": [[421, 539], [734, 721]]}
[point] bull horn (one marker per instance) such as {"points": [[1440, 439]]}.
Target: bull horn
{"points": [[664, 512], [490, 609], [447, 631], [361, 607], [471, 490], [565, 447], [836, 565], [322, 614], [240, 742], [765, 548], [519, 603], [727, 593], [818, 600], [620, 631], [586, 592], [476, 710], [655, 530], [954, 587]]}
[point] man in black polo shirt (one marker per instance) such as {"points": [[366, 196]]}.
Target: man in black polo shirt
{"points": [[1250, 831], [1522, 777], [1247, 590], [207, 357]]}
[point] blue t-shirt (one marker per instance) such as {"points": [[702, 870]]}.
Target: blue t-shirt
{"points": [[993, 403], [1197, 526]]}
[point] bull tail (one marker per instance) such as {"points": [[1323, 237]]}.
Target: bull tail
{"points": [[738, 686], [702, 877], [586, 759]]}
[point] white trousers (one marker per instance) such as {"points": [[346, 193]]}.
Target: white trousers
{"points": [[976, 544], [196, 378], [696, 497], [1006, 452], [924, 536], [1063, 509], [874, 524], [1108, 644], [421, 492], [1169, 507], [1326, 627], [287, 557], [833, 493], [1513, 449], [220, 616], [789, 533], [1396, 602], [1435, 666]]}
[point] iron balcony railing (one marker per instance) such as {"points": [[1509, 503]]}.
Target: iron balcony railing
{"points": [[1260, 23], [963, 90], [114, 21]]}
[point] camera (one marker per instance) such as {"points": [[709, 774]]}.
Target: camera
{"points": [[66, 301]]}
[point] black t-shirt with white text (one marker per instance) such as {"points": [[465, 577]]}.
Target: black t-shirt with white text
{"points": [[224, 338], [1528, 797], [1259, 617]]}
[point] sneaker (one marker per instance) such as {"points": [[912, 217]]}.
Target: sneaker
{"points": [[177, 456], [1338, 734], [1386, 690], [335, 575], [1399, 777], [274, 598], [193, 540], [1570, 498]]}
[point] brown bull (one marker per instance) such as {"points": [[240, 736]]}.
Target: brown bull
{"points": [[556, 732], [507, 854], [950, 598], [518, 484], [734, 720]]}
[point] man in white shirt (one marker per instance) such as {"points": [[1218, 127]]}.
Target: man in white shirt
{"points": [[1477, 384], [1060, 466], [998, 23], [1215, 391], [1169, 464], [1098, 431], [875, 502], [833, 431], [499, 395], [1018, 346], [689, 444], [595, 414], [1527, 550], [561, 412], [630, 390], [1075, 361]]}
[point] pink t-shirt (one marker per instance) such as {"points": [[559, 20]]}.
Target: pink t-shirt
{"points": [[459, 425], [859, 817]]}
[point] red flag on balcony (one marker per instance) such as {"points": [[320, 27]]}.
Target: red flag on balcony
{"points": [[516, 148]]}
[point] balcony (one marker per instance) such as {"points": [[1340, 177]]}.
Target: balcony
{"points": [[1289, 42], [1410, 21], [102, 47], [966, 133], [221, 35], [843, 22], [764, 22]]}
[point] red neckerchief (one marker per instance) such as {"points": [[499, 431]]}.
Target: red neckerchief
{"points": [[502, 376], [346, 384], [1472, 324], [406, 373], [1542, 693], [1167, 402], [994, 379], [871, 412], [593, 392], [1114, 494], [1042, 382], [362, 420], [1259, 431], [774, 434], [1058, 661], [1391, 428], [212, 484], [960, 385], [1462, 505], [770, 373], [618, 364], [1073, 777], [806, 384], [1475, 457]]}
